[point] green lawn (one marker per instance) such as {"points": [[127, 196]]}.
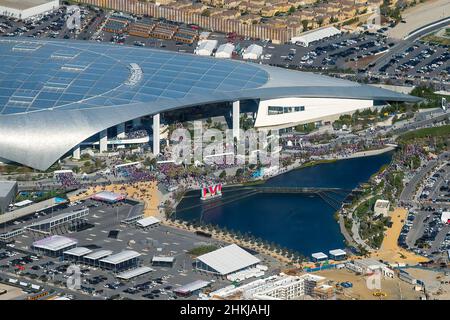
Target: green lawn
{"points": [[198, 251], [427, 132]]}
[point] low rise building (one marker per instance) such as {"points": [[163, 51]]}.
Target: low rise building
{"points": [[370, 266], [278, 287], [25, 9], [381, 207]]}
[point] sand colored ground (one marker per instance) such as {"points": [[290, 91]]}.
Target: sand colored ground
{"points": [[420, 15], [12, 292], [395, 289], [389, 250], [437, 283], [146, 192]]}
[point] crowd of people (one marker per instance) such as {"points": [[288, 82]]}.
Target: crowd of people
{"points": [[311, 147], [136, 134], [133, 173], [66, 179]]}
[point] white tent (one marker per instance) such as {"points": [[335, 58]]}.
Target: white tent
{"points": [[308, 37], [228, 259], [206, 47], [252, 52], [225, 51], [146, 222]]}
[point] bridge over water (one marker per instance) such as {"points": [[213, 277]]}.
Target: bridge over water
{"points": [[326, 194], [307, 190]]}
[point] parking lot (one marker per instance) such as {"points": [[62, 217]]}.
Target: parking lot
{"points": [[104, 230], [350, 53], [424, 231], [419, 61], [52, 25]]}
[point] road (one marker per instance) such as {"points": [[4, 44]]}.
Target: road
{"points": [[409, 191], [419, 16], [403, 45]]}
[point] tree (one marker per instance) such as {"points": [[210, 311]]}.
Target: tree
{"points": [[320, 21], [223, 174], [305, 24]]}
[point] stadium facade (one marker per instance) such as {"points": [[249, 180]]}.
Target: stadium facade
{"points": [[57, 94]]}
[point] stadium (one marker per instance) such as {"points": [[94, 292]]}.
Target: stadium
{"points": [[58, 96]]}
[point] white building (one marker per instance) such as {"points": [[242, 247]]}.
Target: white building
{"points": [[370, 266], [305, 39], [381, 207], [278, 287], [206, 47], [225, 51], [252, 52], [293, 111], [24, 9]]}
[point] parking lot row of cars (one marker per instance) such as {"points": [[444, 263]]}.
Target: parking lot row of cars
{"points": [[418, 60]]}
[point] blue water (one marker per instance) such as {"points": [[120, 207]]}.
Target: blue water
{"points": [[304, 223]]}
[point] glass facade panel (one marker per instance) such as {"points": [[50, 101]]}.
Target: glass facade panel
{"points": [[274, 110]]}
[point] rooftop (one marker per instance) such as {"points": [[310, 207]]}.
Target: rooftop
{"points": [[45, 82], [337, 252], [80, 74], [108, 196], [319, 255], [162, 259], [229, 259], [382, 203], [191, 287], [147, 221], [78, 251], [98, 254], [54, 243], [22, 4], [129, 274], [121, 257], [6, 187]]}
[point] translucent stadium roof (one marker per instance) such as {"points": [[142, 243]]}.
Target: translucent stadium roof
{"points": [[77, 75], [55, 94]]}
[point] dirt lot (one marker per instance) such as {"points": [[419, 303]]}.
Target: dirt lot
{"points": [[13, 292], [420, 15], [389, 250], [435, 282], [395, 289], [143, 191]]}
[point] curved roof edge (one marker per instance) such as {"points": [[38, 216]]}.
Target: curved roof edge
{"points": [[39, 139]]}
